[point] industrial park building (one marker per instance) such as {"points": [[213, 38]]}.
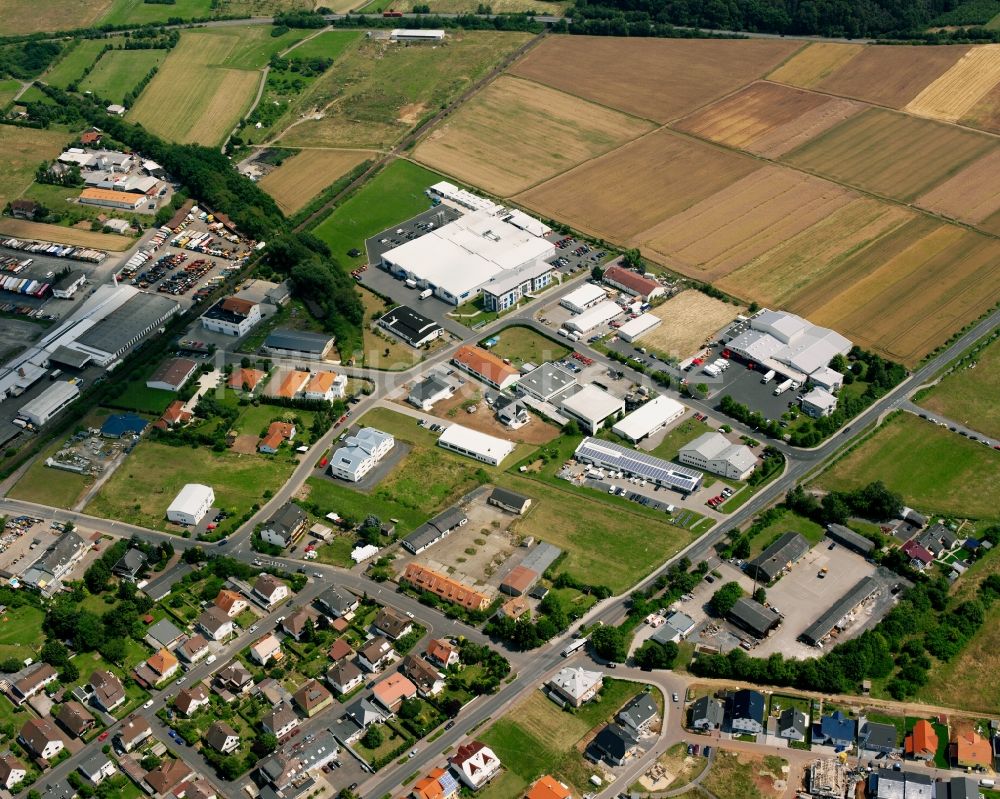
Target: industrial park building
{"points": [[715, 453], [649, 418], [191, 504], [50, 402], [474, 444]]}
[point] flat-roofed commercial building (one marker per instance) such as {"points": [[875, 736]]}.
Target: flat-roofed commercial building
{"points": [[50, 402], [634, 329], [546, 382], [474, 444], [649, 418], [584, 297], [191, 504], [590, 406], [637, 464], [298, 344], [600, 314]]}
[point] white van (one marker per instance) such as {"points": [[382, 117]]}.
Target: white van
{"points": [[423, 295], [768, 376], [211, 659]]}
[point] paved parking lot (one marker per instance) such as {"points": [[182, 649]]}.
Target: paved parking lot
{"points": [[745, 386]]}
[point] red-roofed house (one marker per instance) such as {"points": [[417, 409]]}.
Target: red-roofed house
{"points": [[246, 379], [277, 433], [475, 764], [632, 283], [486, 366], [919, 556]]}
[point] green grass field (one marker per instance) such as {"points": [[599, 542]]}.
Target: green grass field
{"points": [[969, 395], [394, 194], [328, 44], [8, 88], [138, 397], [682, 434], [21, 150], [19, 632], [523, 345], [72, 64], [931, 467], [790, 522], [46, 486], [120, 71], [137, 12], [149, 479]]}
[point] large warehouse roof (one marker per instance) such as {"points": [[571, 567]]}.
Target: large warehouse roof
{"points": [[473, 441], [714, 446], [191, 499], [638, 463], [824, 625], [298, 341], [592, 404], [778, 338], [649, 418], [584, 296], [634, 328], [598, 315]]}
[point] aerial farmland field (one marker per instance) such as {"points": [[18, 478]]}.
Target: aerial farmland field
{"points": [[517, 133], [955, 93], [971, 196], [813, 63], [656, 79], [119, 71], [633, 188], [21, 150], [689, 319], [74, 60], [768, 119], [306, 174], [986, 113], [28, 16], [968, 394], [892, 154]]}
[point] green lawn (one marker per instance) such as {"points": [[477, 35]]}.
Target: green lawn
{"points": [[524, 345], [686, 431], [395, 194], [46, 486], [257, 45], [10, 715], [147, 482], [72, 65], [789, 522], [932, 468], [254, 419], [969, 395], [337, 553], [329, 44], [20, 631], [138, 12], [138, 397], [8, 88], [120, 71]]}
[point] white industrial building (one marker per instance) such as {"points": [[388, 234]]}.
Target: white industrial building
{"points": [[507, 291], [191, 504], [49, 403], [827, 378], [416, 35], [594, 317], [642, 324], [715, 453], [819, 402], [590, 406], [584, 297], [546, 382], [360, 453], [474, 444], [458, 259], [649, 418], [637, 464], [789, 344], [453, 195]]}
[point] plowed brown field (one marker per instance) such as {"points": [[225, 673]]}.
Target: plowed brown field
{"points": [[955, 93], [891, 75], [768, 119], [743, 221], [986, 113], [517, 133], [637, 186], [972, 195], [813, 63], [659, 79], [892, 154], [306, 174]]}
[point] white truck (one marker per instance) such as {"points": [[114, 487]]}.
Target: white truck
{"points": [[423, 295], [768, 376], [782, 387], [712, 370], [410, 283]]}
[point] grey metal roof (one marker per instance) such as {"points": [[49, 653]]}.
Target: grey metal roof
{"points": [[298, 341], [876, 735], [132, 319], [69, 357], [638, 711], [448, 520], [541, 557], [409, 324], [825, 623], [772, 561], [707, 709], [546, 381], [509, 498], [753, 616], [849, 538], [164, 631], [428, 388]]}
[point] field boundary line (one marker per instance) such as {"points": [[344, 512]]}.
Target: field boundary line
{"points": [[784, 61], [598, 103]]}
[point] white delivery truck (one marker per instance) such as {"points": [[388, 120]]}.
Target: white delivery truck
{"points": [[768, 376], [782, 387], [410, 283], [425, 294], [712, 370]]}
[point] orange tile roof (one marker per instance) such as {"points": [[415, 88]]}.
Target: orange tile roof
{"points": [[922, 740], [246, 377], [175, 413], [237, 305], [162, 662], [292, 383], [227, 599], [430, 787], [111, 194], [440, 650], [548, 787], [445, 587], [484, 363], [515, 607], [972, 749], [321, 382], [394, 689]]}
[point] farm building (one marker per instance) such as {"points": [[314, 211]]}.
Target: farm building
{"points": [[753, 617], [586, 296], [713, 452], [49, 403], [360, 453], [298, 344], [590, 406], [172, 374], [836, 614], [546, 382], [637, 464], [789, 344], [509, 501], [434, 530], [231, 316], [594, 317], [428, 392], [191, 504], [486, 366], [770, 564], [507, 291], [109, 198], [634, 329], [416, 35], [412, 327], [649, 418], [818, 403], [633, 283], [474, 444], [458, 259], [850, 539]]}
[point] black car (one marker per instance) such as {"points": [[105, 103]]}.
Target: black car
{"points": [[352, 787], [450, 724]]}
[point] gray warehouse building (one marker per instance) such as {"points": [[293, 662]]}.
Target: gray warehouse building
{"points": [[826, 623], [770, 564], [753, 617], [850, 539], [298, 344], [431, 532]]}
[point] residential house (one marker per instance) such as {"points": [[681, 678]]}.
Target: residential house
{"points": [[41, 738], [707, 713], [638, 714], [878, 737], [272, 692], [745, 711], [325, 386], [340, 650], [234, 679], [167, 776], [266, 649], [344, 676], [222, 738], [289, 384], [835, 730], [446, 587], [921, 742], [30, 681], [887, 783], [938, 539], [189, 700], [12, 771], [511, 412], [24, 209], [486, 366], [97, 767], [359, 454], [615, 744], [376, 654], [442, 652], [438, 784], [793, 724], [363, 713], [214, 622], [163, 665], [164, 634], [475, 764], [429, 391], [231, 603], [296, 623], [970, 750], [277, 434], [130, 565], [109, 692], [428, 679], [246, 379], [75, 718], [280, 722], [392, 624], [200, 788], [193, 649], [285, 527], [548, 787], [920, 557], [575, 686], [337, 603], [133, 732], [312, 698], [270, 590], [391, 692]]}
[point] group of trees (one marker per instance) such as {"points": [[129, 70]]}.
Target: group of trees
{"points": [[28, 59], [725, 597], [873, 501]]}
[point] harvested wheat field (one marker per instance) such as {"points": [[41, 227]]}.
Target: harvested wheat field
{"points": [[816, 254], [658, 79], [955, 93], [743, 221], [890, 75], [971, 196], [306, 174], [768, 119], [689, 320], [986, 113], [892, 154], [625, 192], [517, 133], [58, 234], [813, 63]]}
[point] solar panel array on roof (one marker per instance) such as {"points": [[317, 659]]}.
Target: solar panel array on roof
{"points": [[639, 464]]}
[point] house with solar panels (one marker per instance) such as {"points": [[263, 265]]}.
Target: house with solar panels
{"points": [[632, 463]]}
